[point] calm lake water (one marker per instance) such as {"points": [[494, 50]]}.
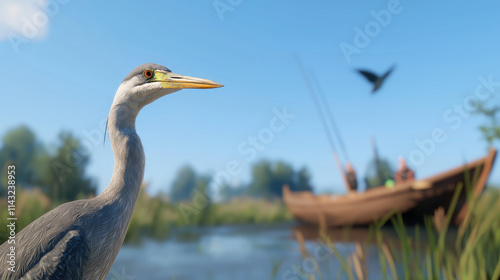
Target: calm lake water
{"points": [[235, 252]]}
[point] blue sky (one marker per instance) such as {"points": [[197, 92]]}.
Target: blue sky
{"points": [[65, 74]]}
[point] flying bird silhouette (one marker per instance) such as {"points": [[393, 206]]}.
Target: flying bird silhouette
{"points": [[377, 81]]}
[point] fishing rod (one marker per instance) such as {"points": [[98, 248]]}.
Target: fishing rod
{"points": [[331, 118], [310, 90]]}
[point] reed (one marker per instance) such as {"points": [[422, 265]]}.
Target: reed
{"points": [[155, 216], [475, 254]]}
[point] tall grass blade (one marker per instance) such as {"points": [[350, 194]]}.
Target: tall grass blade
{"points": [[390, 260]]}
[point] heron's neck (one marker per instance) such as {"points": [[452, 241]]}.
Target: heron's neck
{"points": [[129, 165]]}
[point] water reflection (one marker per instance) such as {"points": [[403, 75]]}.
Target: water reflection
{"points": [[344, 235], [241, 252]]}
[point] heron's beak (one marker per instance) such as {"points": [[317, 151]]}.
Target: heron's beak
{"points": [[171, 80]]}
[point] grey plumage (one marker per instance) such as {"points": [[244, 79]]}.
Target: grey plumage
{"points": [[376, 80], [138, 70], [81, 239], [65, 261]]}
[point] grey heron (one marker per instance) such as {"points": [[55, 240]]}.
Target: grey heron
{"points": [[81, 239], [376, 80]]}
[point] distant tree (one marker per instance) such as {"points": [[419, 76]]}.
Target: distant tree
{"points": [[200, 197], [227, 192], [60, 174], [379, 170], [303, 180], [184, 183], [491, 131], [20, 147], [4, 181], [262, 179], [282, 174], [268, 179], [64, 175]]}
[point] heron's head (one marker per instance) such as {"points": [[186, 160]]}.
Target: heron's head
{"points": [[148, 82]]}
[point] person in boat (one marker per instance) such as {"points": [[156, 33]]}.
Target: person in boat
{"points": [[351, 177], [404, 173]]}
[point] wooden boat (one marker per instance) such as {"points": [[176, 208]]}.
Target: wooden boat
{"points": [[413, 199]]}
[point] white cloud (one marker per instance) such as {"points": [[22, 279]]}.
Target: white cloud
{"points": [[26, 18]]}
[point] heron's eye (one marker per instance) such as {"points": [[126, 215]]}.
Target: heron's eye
{"points": [[148, 74]]}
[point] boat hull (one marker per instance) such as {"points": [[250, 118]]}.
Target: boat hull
{"points": [[414, 199]]}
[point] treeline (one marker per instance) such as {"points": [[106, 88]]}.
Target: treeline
{"points": [[267, 182], [49, 175], [59, 171]]}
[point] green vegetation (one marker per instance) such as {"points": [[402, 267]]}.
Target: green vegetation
{"points": [[379, 170], [185, 183], [52, 176], [60, 173], [268, 179], [20, 146], [474, 254], [30, 204], [491, 131], [63, 172], [154, 216]]}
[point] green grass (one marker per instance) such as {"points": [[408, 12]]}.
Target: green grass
{"points": [[155, 216], [475, 254]]}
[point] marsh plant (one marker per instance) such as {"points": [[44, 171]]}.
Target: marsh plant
{"points": [[470, 251]]}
